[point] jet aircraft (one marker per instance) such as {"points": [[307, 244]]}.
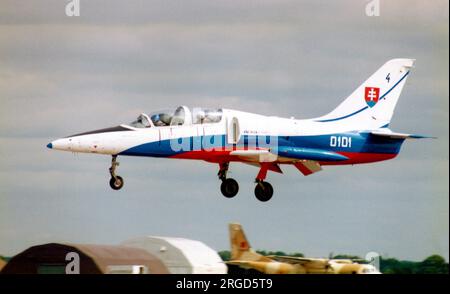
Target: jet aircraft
{"points": [[244, 256], [355, 132]]}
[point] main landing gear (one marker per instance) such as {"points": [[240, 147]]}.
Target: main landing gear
{"points": [[230, 188], [116, 182], [263, 190]]}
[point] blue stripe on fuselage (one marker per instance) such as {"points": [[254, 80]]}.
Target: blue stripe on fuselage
{"points": [[354, 142], [343, 142]]}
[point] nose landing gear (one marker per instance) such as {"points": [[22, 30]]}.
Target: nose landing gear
{"points": [[116, 182], [229, 186]]}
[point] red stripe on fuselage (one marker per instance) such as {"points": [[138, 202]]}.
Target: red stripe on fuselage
{"points": [[211, 156], [222, 155], [217, 155]]}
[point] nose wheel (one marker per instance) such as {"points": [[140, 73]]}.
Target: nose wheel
{"points": [[116, 181]]}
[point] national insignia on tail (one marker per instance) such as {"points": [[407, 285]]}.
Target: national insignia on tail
{"points": [[371, 95]]}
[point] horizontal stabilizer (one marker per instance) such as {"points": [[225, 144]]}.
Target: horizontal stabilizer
{"points": [[389, 134]]}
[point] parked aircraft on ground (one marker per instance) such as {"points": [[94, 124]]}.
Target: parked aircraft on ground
{"points": [[244, 256], [357, 131]]}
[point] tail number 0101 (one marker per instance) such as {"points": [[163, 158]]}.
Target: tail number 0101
{"points": [[341, 141]]}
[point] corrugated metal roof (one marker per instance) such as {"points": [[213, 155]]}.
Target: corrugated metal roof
{"points": [[106, 255], [92, 258]]}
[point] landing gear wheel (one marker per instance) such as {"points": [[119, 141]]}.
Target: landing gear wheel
{"points": [[116, 183], [229, 188], [263, 191]]}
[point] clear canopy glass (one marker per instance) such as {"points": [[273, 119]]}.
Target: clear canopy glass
{"points": [[182, 115], [141, 122], [205, 115]]}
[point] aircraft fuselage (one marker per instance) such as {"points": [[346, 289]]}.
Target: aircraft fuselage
{"points": [[214, 143]]}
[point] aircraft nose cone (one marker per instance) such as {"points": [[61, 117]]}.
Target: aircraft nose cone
{"points": [[49, 145]]}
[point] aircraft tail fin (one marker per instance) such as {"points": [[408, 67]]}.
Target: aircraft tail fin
{"points": [[240, 247], [372, 104]]}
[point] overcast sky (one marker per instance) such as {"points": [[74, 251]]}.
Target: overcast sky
{"points": [[61, 75]]}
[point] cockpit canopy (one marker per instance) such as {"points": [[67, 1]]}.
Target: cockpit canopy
{"points": [[182, 115]]}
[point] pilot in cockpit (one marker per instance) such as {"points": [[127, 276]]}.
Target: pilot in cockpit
{"points": [[160, 120]]}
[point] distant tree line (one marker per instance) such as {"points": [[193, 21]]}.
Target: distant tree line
{"points": [[434, 264], [5, 258]]}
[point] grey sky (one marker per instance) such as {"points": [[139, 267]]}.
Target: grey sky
{"points": [[61, 75]]}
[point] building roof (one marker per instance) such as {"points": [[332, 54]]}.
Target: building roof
{"points": [[195, 251], [183, 252], [93, 259], [105, 255]]}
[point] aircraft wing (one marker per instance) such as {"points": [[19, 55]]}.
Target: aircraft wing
{"points": [[255, 157], [308, 167], [300, 260], [242, 263], [392, 135], [275, 167]]}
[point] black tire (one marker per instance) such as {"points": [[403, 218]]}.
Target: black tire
{"points": [[229, 188], [116, 183], [263, 191]]}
